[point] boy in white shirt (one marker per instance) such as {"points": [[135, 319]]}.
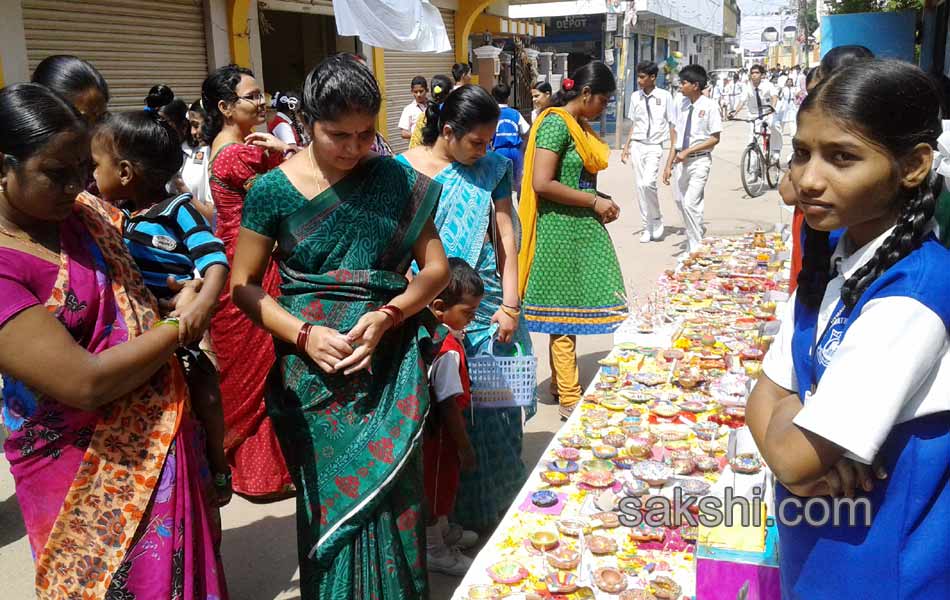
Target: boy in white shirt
{"points": [[759, 95], [416, 108], [651, 110], [697, 125]]}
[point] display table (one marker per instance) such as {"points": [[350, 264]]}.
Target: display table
{"points": [[661, 424]]}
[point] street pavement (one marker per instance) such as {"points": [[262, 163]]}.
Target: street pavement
{"points": [[259, 549]]}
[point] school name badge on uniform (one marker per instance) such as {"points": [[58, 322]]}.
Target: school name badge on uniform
{"points": [[657, 100], [702, 114], [199, 156], [163, 242]]}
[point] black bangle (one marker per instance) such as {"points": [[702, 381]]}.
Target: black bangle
{"points": [[511, 307]]}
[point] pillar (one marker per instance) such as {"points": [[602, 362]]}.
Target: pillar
{"points": [[468, 11]]}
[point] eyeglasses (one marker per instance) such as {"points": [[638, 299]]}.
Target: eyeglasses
{"points": [[257, 98]]}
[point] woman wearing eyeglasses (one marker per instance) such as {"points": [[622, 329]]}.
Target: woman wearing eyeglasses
{"points": [[245, 353]]}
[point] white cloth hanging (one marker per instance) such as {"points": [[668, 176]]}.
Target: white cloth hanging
{"points": [[407, 25]]}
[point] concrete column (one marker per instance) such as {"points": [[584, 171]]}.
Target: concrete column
{"points": [[216, 33], [487, 66], [14, 67]]}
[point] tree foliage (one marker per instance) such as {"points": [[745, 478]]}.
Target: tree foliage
{"points": [[841, 7]]}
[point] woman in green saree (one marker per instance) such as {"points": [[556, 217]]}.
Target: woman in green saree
{"points": [[348, 394]]}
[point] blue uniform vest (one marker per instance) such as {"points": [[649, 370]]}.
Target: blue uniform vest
{"points": [[507, 134], [905, 553]]}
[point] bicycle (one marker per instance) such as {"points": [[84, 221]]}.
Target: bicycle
{"points": [[757, 168]]}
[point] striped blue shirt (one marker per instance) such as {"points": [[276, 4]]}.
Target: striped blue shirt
{"points": [[171, 238]]}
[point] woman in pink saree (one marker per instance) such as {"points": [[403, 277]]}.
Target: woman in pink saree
{"points": [[108, 462]]}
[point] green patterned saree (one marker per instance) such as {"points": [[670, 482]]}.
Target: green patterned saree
{"points": [[352, 443]]}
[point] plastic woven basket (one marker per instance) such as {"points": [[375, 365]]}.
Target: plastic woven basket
{"points": [[502, 381]]}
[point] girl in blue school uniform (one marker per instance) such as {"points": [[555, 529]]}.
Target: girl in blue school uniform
{"points": [[859, 374]]}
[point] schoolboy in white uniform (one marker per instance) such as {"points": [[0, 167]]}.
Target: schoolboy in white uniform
{"points": [[759, 95], [697, 125], [651, 110]]}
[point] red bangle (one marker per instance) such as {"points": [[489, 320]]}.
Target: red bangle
{"points": [[302, 336], [394, 312]]}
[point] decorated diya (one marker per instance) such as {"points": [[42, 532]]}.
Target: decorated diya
{"points": [[568, 453], [574, 441], [597, 464], [689, 533], [666, 410], [614, 402], [601, 545], [564, 557], [636, 487], [653, 472], [706, 463], [671, 354], [485, 592], [608, 520], [693, 406], [561, 582], [597, 479], [746, 462], [639, 449], [508, 572], [636, 396], [665, 588], [617, 440], [544, 498], [649, 379], [610, 580], [563, 466], [647, 533], [706, 430], [682, 462], [604, 451], [555, 478], [544, 539], [693, 487], [573, 527], [637, 595], [751, 353], [736, 412]]}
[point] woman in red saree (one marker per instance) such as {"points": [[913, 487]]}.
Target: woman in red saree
{"points": [[245, 353], [107, 459]]}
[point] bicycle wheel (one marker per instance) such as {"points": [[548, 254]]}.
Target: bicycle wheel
{"points": [[773, 174], [751, 171]]}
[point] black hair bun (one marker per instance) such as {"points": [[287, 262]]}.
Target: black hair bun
{"points": [[159, 96]]}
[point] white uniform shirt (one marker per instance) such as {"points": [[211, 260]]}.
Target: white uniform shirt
{"points": [[410, 115], [653, 126], [891, 366], [445, 378], [705, 121], [766, 92], [284, 131], [194, 172]]}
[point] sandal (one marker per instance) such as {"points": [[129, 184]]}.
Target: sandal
{"points": [[222, 488]]}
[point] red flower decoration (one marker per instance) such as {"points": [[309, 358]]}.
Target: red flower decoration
{"points": [[382, 450], [567, 84]]}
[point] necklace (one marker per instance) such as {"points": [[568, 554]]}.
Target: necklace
{"points": [[26, 238], [316, 179]]}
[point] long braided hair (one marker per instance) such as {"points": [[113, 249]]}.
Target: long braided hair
{"points": [[896, 106]]}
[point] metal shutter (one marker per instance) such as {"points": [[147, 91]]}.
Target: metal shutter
{"points": [[134, 44], [401, 67]]}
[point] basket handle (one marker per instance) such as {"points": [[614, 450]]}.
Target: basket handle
{"points": [[491, 346]]}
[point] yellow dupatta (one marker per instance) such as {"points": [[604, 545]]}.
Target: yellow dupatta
{"points": [[592, 150]]}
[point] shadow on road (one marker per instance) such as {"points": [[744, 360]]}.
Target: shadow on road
{"points": [[260, 559], [11, 521]]}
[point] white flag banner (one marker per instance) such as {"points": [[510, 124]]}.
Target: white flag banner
{"points": [[407, 25]]}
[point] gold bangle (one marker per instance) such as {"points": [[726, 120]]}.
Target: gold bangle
{"points": [[511, 312], [170, 321]]}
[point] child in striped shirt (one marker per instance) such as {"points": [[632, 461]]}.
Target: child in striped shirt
{"points": [[135, 153]]}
